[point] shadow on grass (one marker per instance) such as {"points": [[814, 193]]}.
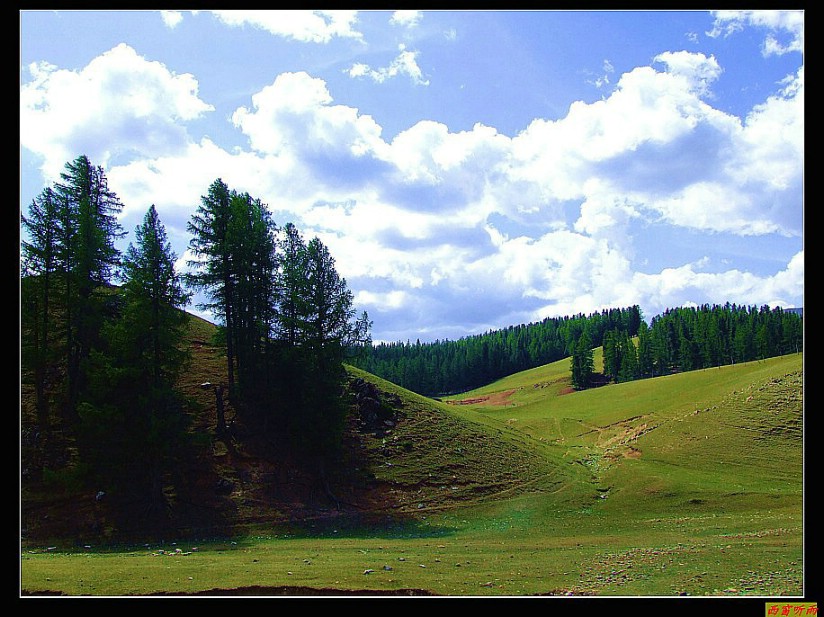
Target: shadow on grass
{"points": [[364, 526]]}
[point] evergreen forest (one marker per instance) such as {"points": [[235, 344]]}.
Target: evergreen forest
{"points": [[101, 332], [680, 339]]}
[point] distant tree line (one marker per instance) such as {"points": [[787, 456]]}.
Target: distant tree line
{"points": [[443, 367], [680, 339], [690, 338], [102, 332]]}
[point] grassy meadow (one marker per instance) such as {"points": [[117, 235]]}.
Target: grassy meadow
{"points": [[689, 484]]}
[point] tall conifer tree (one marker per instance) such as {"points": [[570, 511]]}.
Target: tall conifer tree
{"points": [[133, 421]]}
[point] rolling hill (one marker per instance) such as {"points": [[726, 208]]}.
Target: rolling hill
{"points": [[690, 483], [711, 436], [427, 457]]}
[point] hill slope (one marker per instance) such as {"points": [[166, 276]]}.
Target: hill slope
{"points": [[423, 458], [690, 484], [715, 435]]}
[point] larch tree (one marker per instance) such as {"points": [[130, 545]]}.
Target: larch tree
{"points": [[212, 265], [88, 229], [132, 416], [39, 268]]}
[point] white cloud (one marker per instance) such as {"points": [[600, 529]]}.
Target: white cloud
{"points": [[711, 206], [300, 25], [419, 224], [175, 183], [408, 19], [294, 116], [784, 23], [671, 285], [696, 68], [603, 80], [129, 105], [654, 143], [405, 64], [770, 150], [427, 152], [171, 18]]}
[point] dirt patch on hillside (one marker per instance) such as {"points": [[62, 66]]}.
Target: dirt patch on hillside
{"points": [[497, 399]]}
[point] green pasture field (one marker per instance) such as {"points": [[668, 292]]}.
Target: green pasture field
{"points": [[689, 484]]}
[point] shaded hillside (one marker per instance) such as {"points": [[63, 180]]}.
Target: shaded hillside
{"points": [[419, 456]]}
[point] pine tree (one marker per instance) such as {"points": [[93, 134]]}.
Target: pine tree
{"points": [[328, 329], [582, 362], [38, 316], [154, 299], [251, 242], [612, 361], [88, 229], [628, 370], [645, 356], [234, 242], [132, 416], [210, 244], [68, 259], [293, 285]]}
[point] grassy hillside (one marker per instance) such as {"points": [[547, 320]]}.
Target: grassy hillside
{"points": [[686, 484], [717, 433], [683, 464], [429, 459], [435, 457]]}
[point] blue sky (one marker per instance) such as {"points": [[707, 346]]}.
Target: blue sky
{"points": [[468, 170]]}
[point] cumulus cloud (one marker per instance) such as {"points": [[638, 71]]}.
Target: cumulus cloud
{"points": [[408, 19], [699, 70], [300, 25], [787, 24], [656, 144], [465, 227], [406, 63], [408, 225], [770, 149], [668, 287], [119, 104], [294, 119]]}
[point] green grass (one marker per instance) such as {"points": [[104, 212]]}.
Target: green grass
{"points": [[686, 484]]}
